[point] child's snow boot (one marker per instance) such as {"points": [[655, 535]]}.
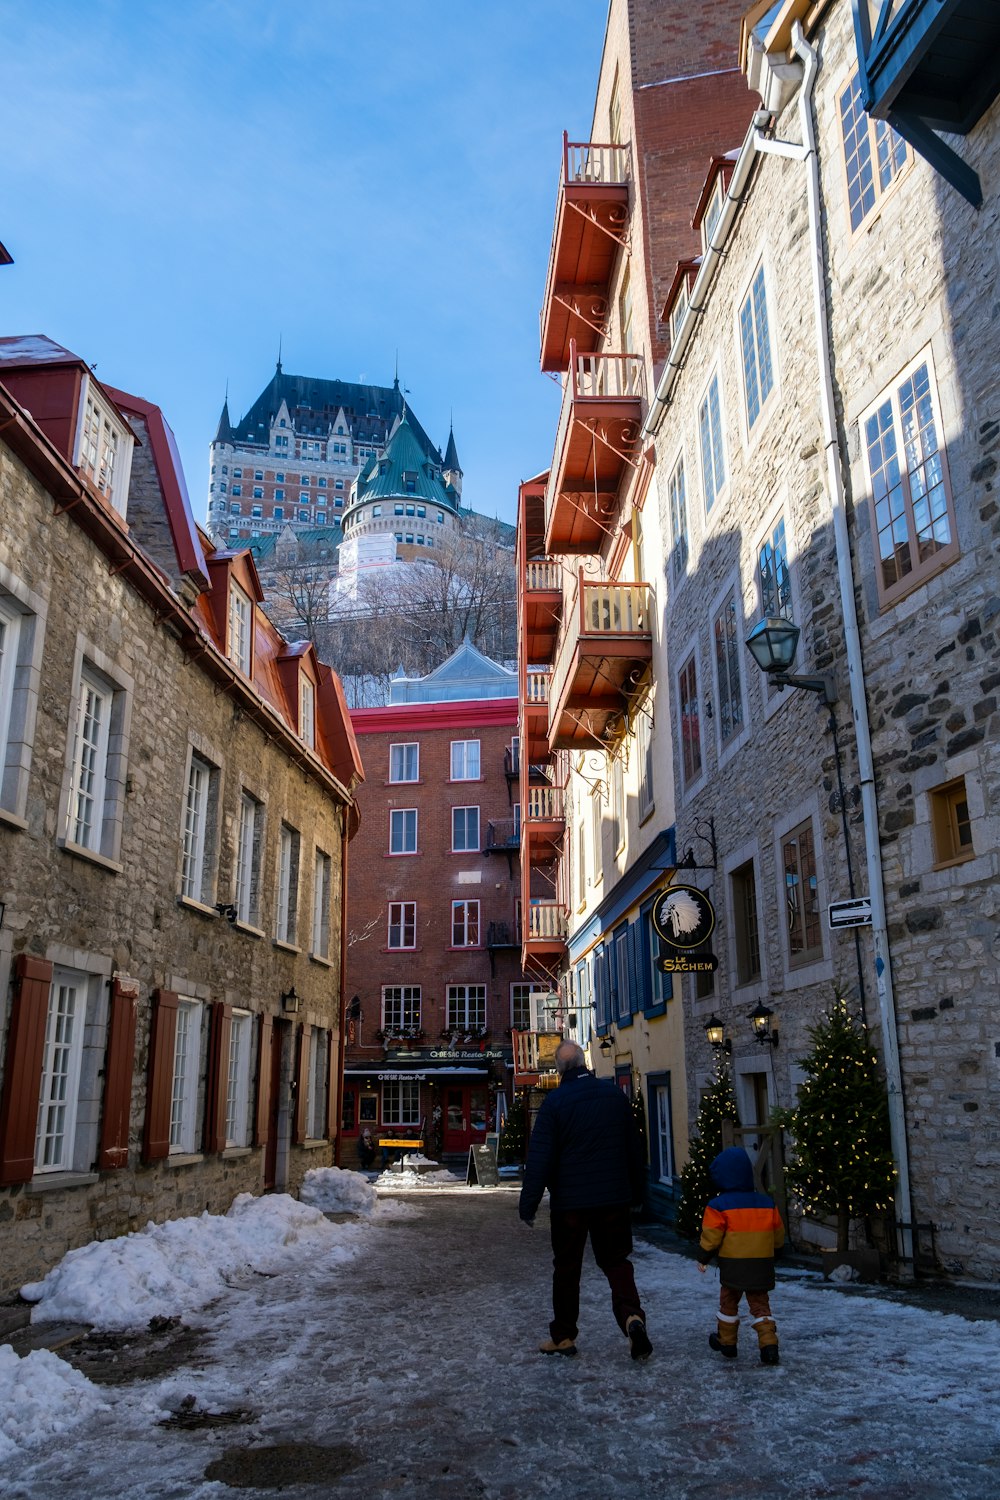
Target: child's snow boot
{"points": [[725, 1340], [767, 1340]]}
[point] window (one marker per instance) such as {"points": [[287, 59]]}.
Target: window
{"points": [[184, 1083], [237, 508], [677, 499], [403, 830], [951, 824], [465, 760], [304, 498], [322, 871], [465, 1007], [404, 762], [713, 463], [773, 578], [464, 829], [402, 924], [682, 301], [644, 744], [726, 633], [321, 483], [615, 113], [318, 1083], [248, 860], [321, 518], [307, 712], [280, 478], [874, 154], [798, 855], [745, 929], [465, 924], [910, 496], [240, 617], [279, 494], [520, 1004], [102, 443], [755, 338], [303, 515], [400, 1102], [397, 510], [617, 804], [690, 722], [597, 833], [625, 314], [58, 1099], [199, 828], [258, 492], [658, 988], [97, 766], [258, 473], [278, 513], [401, 1008], [19, 640], [288, 884], [257, 512], [238, 1080], [713, 210], [237, 473]]}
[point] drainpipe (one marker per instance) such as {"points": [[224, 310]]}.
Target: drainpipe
{"points": [[855, 665], [342, 1040]]}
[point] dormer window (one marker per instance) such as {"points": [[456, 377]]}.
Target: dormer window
{"points": [[409, 482], [238, 646], [282, 423], [307, 712], [105, 450], [680, 307], [713, 211]]}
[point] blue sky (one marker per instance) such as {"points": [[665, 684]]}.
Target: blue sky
{"points": [[182, 183]]}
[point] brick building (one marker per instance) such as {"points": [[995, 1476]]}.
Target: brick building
{"points": [[176, 798], [433, 959]]}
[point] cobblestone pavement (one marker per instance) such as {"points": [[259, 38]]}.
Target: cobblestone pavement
{"points": [[412, 1371]]}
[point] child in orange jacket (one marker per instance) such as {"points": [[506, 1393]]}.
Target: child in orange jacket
{"points": [[744, 1229]]}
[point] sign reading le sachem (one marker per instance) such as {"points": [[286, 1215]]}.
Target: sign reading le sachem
{"points": [[683, 916]]}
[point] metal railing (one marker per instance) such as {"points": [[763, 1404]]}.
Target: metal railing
{"points": [[503, 833]]}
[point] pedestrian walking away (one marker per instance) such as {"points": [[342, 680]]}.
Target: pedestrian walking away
{"points": [[586, 1149], [743, 1229]]}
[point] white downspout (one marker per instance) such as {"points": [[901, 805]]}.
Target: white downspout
{"points": [[852, 640]]}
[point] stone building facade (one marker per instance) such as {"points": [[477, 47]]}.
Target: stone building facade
{"points": [[825, 431], [433, 958], [176, 802]]}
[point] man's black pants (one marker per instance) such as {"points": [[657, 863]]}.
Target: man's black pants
{"points": [[610, 1231]]}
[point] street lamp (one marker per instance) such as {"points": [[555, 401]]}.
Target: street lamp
{"points": [[773, 643], [760, 1020], [715, 1031]]}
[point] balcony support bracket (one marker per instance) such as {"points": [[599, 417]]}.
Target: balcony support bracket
{"points": [[616, 230]]}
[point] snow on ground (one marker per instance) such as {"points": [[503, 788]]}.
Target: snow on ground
{"points": [[420, 1355]]}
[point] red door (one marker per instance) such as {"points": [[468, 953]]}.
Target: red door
{"points": [[465, 1116]]}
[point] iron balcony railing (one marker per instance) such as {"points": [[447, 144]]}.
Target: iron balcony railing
{"points": [[503, 833]]}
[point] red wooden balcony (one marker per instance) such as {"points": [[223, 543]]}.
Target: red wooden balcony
{"points": [[541, 609], [535, 715], [598, 428], [543, 822], [605, 650], [545, 930], [592, 213], [535, 1059]]}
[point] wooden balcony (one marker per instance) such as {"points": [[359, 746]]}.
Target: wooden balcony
{"points": [[592, 212], [545, 931], [535, 1059], [598, 430], [541, 609], [930, 65], [535, 715], [605, 650], [543, 822]]}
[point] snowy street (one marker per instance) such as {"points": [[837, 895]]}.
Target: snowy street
{"points": [[394, 1354]]}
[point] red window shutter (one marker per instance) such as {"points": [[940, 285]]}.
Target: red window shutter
{"points": [[22, 1073], [217, 1082], [159, 1085], [262, 1111], [119, 1066], [301, 1083]]}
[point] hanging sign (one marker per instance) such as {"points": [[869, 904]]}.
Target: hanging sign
{"points": [[683, 917], [673, 962]]}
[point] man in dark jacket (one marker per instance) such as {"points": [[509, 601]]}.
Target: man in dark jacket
{"points": [[585, 1148]]}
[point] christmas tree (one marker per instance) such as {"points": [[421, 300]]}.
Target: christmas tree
{"points": [[513, 1134], [843, 1160], [718, 1104]]}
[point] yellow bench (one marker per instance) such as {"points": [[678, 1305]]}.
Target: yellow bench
{"points": [[389, 1143]]}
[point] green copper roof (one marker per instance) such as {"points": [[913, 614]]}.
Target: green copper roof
{"points": [[405, 472]]}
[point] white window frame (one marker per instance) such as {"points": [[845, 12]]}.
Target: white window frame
{"points": [[466, 763], [238, 1079], [20, 675], [195, 837], [467, 845], [287, 889], [401, 1008], [754, 308], [248, 847], [729, 594], [322, 883], [465, 922], [398, 820], [523, 989], [715, 458], [318, 1084], [62, 1059], [239, 635], [645, 766], [185, 1079], [467, 1001], [680, 532], [402, 916], [307, 711], [399, 757], [103, 447], [400, 1102]]}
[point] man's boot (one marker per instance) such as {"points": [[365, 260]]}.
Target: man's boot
{"points": [[767, 1340], [725, 1340]]}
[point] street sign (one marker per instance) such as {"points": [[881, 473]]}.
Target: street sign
{"points": [[857, 913], [683, 916]]}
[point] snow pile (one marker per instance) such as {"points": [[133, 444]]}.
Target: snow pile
{"points": [[332, 1190], [408, 1178], [172, 1269], [40, 1397]]}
